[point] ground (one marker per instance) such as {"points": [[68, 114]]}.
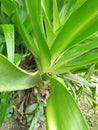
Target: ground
{"points": [[90, 114]]}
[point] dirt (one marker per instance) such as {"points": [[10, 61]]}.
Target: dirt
{"points": [[90, 114], [12, 124]]}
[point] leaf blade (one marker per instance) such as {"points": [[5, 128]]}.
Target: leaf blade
{"points": [[56, 18], [78, 63], [77, 22], [34, 9], [77, 51], [15, 78], [8, 30], [67, 116]]}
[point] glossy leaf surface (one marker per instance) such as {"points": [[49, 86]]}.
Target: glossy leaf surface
{"points": [[14, 78], [62, 111], [79, 21]]}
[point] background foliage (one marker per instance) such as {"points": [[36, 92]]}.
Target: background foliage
{"points": [[62, 36]]}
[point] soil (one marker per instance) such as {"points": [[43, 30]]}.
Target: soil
{"points": [[12, 124], [91, 115]]}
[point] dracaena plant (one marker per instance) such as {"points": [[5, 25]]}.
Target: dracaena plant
{"points": [[56, 33]]}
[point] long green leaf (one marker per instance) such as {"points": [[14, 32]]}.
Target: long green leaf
{"points": [[90, 72], [7, 7], [14, 78], [67, 10], [8, 30], [77, 79], [49, 31], [76, 52], [78, 21], [88, 31], [25, 35], [28, 26], [56, 18], [62, 111], [47, 21], [79, 3], [78, 63], [22, 29], [4, 104], [46, 5], [34, 9], [88, 58]]}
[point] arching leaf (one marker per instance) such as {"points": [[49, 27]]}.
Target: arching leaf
{"points": [[13, 78], [62, 111]]}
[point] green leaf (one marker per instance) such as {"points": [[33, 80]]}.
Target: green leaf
{"points": [[62, 112], [22, 9], [14, 78], [1, 48], [49, 31], [78, 22], [2, 39], [7, 7], [88, 31], [78, 63], [90, 72], [21, 26], [46, 5], [8, 30], [76, 51], [56, 18], [4, 104], [28, 26], [31, 108], [77, 79], [25, 35], [67, 10], [79, 3], [34, 9], [86, 59]]}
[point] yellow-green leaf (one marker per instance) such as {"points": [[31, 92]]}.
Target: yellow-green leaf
{"points": [[62, 111], [14, 78]]}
